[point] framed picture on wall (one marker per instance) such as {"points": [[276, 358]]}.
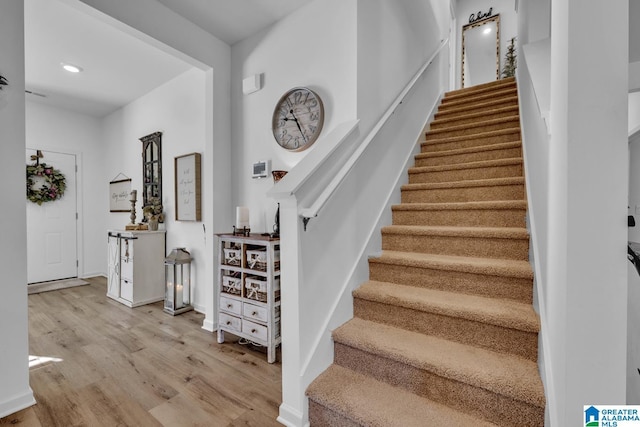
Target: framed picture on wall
{"points": [[187, 187], [119, 192]]}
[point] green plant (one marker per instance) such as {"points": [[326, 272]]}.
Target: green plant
{"points": [[510, 60]]}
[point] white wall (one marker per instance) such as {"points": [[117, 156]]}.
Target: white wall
{"points": [[15, 393], [297, 51], [537, 25], [508, 25], [634, 112], [153, 22], [64, 131], [394, 41], [177, 109], [372, 50], [588, 195]]}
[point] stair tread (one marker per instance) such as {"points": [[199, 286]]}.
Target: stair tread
{"points": [[487, 134], [468, 165], [487, 266], [467, 126], [468, 150], [374, 403], [493, 205], [489, 86], [455, 231], [500, 373], [480, 96], [490, 111], [493, 311], [457, 109], [516, 180]]}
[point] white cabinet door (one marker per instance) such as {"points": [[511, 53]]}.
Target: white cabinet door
{"points": [[113, 287]]}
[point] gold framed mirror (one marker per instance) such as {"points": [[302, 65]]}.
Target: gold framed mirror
{"points": [[481, 51]]}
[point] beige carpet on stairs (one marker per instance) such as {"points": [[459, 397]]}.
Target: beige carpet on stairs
{"points": [[444, 332]]}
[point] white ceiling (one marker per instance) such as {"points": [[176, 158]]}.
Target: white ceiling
{"points": [[118, 68], [233, 20]]}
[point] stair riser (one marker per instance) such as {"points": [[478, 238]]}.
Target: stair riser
{"points": [[462, 217], [477, 334], [464, 194], [501, 410], [470, 130], [484, 87], [448, 103], [507, 153], [465, 120], [485, 247], [455, 144], [466, 174], [512, 288], [458, 110], [320, 416]]}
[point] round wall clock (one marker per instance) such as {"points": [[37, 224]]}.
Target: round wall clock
{"points": [[297, 119]]}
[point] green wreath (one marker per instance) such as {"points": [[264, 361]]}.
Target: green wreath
{"points": [[52, 188]]}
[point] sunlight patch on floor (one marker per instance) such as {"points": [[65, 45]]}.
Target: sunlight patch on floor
{"points": [[35, 361]]}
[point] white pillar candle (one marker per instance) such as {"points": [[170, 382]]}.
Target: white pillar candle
{"points": [[134, 195], [242, 217], [179, 297]]}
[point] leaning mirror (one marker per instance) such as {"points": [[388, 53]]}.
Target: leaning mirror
{"points": [[481, 51]]}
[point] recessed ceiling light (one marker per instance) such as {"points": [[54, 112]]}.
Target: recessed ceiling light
{"points": [[71, 68]]}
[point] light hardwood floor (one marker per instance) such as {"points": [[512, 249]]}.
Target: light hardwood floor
{"points": [[139, 367]]}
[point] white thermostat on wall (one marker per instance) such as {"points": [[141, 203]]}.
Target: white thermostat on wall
{"points": [[261, 169]]}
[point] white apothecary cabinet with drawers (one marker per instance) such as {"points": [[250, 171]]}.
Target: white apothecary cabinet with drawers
{"points": [[249, 289]]}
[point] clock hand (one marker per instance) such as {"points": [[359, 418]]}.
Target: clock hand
{"points": [[299, 128]]}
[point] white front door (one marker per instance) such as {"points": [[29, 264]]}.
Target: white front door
{"points": [[51, 227]]}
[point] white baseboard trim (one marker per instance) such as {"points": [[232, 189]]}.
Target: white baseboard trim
{"points": [[291, 417], [16, 404], [89, 275], [209, 325]]}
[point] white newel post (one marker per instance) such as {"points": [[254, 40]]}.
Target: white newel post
{"points": [[294, 408]]}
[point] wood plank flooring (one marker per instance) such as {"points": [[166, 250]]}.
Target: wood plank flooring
{"points": [[116, 366]]}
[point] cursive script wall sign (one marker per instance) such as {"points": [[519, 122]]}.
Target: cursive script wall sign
{"points": [[187, 187], [475, 17], [119, 195]]}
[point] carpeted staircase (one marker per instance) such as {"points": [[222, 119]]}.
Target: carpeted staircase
{"points": [[444, 331]]}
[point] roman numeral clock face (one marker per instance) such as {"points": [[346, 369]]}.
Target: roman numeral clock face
{"points": [[298, 119]]}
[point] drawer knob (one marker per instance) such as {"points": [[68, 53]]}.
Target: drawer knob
{"points": [[255, 313], [229, 305], [253, 331], [228, 322]]}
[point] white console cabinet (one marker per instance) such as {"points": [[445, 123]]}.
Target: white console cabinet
{"points": [[136, 266]]}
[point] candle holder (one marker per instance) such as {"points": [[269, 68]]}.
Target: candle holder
{"points": [[133, 199], [177, 297], [244, 231]]}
